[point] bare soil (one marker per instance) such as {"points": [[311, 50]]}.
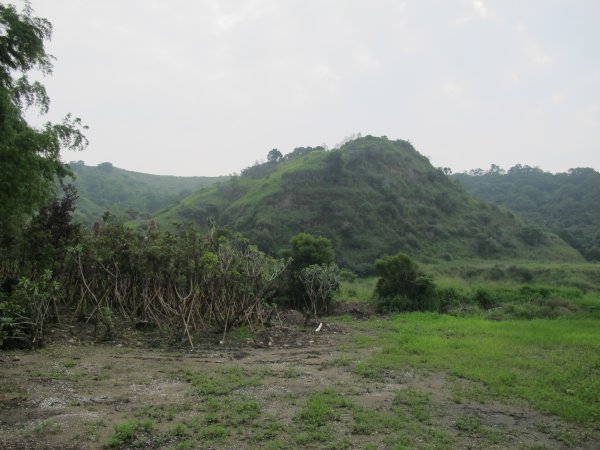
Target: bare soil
{"points": [[71, 393]]}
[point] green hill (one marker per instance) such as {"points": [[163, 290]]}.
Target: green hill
{"points": [[128, 195], [566, 203], [371, 197]]}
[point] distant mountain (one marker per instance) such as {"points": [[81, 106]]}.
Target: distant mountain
{"points": [[566, 203], [128, 195], [371, 197]]}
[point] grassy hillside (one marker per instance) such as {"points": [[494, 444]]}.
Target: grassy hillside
{"points": [[371, 197], [565, 203], [128, 195]]}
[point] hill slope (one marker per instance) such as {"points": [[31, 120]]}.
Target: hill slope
{"points": [[128, 195], [566, 203], [371, 197]]}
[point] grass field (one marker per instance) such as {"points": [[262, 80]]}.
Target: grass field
{"points": [[552, 364]]}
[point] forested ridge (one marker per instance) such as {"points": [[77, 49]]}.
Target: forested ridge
{"points": [[371, 197], [564, 203], [127, 195]]}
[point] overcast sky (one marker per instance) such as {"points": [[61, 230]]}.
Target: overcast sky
{"points": [[200, 87]]}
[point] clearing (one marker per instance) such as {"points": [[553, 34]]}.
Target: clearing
{"points": [[285, 387]]}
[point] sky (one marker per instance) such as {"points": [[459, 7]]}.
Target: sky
{"points": [[208, 87]]}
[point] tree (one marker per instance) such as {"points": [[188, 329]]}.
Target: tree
{"points": [[274, 155], [29, 157], [308, 250]]}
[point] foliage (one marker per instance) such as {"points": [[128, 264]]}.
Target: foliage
{"points": [[128, 195], [14, 325], [565, 203], [184, 281], [370, 197], [320, 284], [402, 286], [30, 157], [312, 277]]}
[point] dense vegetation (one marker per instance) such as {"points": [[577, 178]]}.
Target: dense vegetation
{"points": [[128, 195], [181, 282], [371, 197], [30, 156], [564, 203]]}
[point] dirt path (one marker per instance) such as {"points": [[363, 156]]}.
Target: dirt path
{"points": [[293, 389]]}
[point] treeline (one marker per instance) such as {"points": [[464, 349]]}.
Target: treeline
{"points": [[183, 283], [564, 203]]}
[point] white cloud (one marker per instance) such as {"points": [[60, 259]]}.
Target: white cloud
{"points": [[479, 8]]}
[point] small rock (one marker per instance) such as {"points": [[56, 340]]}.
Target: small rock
{"points": [[119, 345], [16, 358]]}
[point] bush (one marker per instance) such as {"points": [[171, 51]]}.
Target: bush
{"points": [[312, 275], [402, 286], [448, 298], [484, 299]]}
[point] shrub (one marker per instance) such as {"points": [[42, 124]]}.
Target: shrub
{"points": [[402, 286], [312, 274], [484, 299]]}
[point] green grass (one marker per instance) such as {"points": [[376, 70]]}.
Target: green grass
{"points": [[358, 290], [417, 402], [553, 364], [129, 431], [322, 408], [222, 383]]}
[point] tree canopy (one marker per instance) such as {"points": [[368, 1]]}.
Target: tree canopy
{"points": [[30, 156]]}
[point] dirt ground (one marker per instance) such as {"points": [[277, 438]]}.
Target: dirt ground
{"points": [[71, 394]]}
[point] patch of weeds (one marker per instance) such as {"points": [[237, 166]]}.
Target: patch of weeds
{"points": [[184, 445], [91, 431], [276, 445], [364, 341], [214, 432], [292, 372], [247, 410], [267, 430], [339, 445], [228, 380], [212, 404], [370, 371], [418, 402], [180, 430], [322, 408], [465, 390], [266, 372], [368, 422], [543, 427], [323, 434], [158, 412], [340, 361], [242, 332], [69, 364], [566, 437], [212, 417], [469, 423], [128, 432], [47, 427]]}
